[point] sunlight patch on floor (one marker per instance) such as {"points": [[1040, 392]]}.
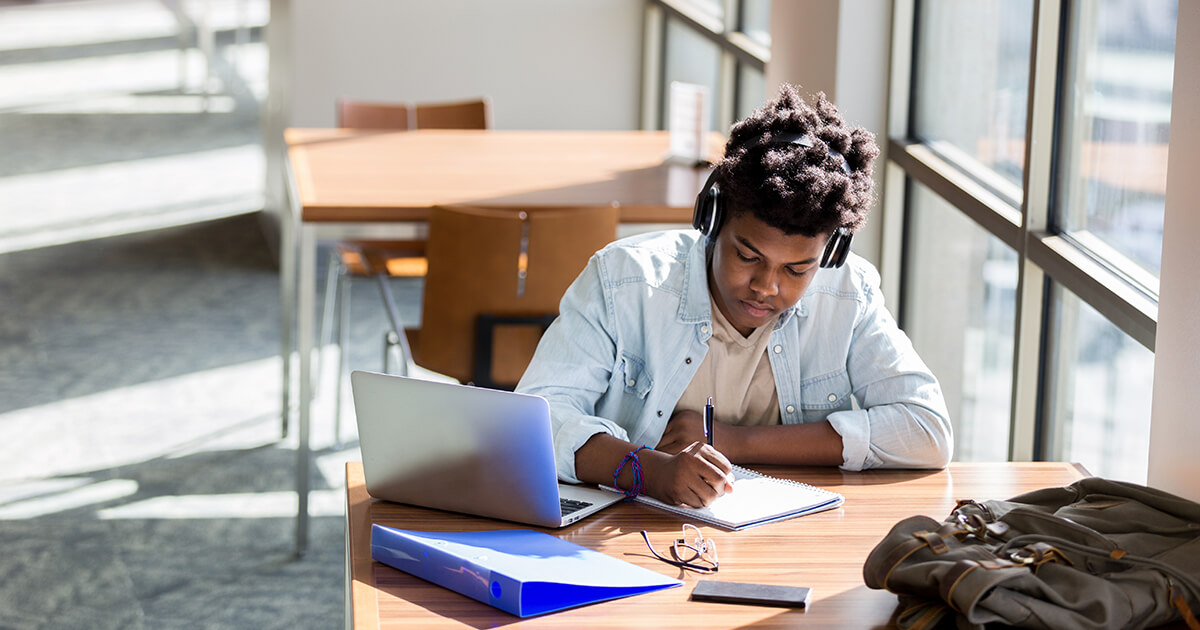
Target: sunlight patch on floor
{"points": [[233, 505], [226, 408], [74, 498]]}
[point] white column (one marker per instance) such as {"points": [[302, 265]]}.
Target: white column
{"points": [[804, 47], [841, 48], [1174, 428]]}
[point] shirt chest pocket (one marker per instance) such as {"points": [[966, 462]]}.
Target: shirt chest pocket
{"points": [[825, 394], [634, 378]]}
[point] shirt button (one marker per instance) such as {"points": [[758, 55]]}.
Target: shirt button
{"points": [[833, 398], [660, 413], [778, 349], [632, 382], [791, 409], [704, 328], [688, 360]]}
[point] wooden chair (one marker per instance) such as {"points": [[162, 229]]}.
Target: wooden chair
{"points": [[471, 114], [390, 258], [475, 114], [496, 276], [362, 115], [400, 258]]}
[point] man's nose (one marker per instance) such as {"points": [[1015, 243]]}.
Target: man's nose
{"points": [[765, 282]]}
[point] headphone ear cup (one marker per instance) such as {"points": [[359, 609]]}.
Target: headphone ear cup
{"points": [[844, 249], [837, 249], [827, 254], [706, 216], [718, 209]]}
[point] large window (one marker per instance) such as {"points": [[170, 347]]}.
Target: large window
{"points": [[975, 48], [1102, 383], [1032, 141], [1116, 120], [720, 44], [963, 280]]}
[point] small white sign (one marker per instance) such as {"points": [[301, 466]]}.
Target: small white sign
{"points": [[688, 122]]}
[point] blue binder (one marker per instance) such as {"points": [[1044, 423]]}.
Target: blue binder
{"points": [[520, 571]]}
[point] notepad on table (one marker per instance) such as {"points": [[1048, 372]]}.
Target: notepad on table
{"points": [[757, 499]]}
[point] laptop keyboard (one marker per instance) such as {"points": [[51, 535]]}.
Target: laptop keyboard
{"points": [[571, 505]]}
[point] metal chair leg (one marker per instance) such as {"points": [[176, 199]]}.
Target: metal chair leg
{"points": [[343, 349], [389, 339], [394, 337], [333, 281]]}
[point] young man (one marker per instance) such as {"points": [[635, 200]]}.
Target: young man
{"points": [[747, 312]]}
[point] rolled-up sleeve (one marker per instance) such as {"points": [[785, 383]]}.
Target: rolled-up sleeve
{"points": [[902, 421], [573, 365]]}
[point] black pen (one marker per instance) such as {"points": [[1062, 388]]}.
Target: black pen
{"points": [[708, 421]]}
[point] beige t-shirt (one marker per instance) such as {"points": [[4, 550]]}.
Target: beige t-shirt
{"points": [[736, 372]]}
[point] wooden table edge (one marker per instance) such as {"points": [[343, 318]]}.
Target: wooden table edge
{"points": [[364, 597]]}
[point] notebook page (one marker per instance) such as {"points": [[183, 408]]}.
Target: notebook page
{"points": [[756, 498]]}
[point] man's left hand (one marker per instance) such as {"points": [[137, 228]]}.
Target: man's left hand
{"points": [[683, 429]]}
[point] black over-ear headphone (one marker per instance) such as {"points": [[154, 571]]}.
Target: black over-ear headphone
{"points": [[710, 209]]}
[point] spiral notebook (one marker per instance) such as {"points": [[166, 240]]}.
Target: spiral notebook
{"points": [[756, 500]]}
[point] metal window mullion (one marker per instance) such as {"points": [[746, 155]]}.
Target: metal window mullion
{"points": [[894, 184], [653, 59], [981, 205], [1129, 309], [1029, 361], [733, 15], [729, 62], [745, 49], [692, 17], [1052, 439], [727, 91], [750, 52]]}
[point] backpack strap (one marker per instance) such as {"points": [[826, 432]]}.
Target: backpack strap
{"points": [[1180, 604]]}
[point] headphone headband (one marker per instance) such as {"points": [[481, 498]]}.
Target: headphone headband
{"points": [[798, 139], [707, 214]]}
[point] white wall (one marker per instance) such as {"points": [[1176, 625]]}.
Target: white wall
{"points": [[546, 64], [1174, 429]]}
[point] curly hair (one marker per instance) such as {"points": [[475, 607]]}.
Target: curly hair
{"points": [[798, 189]]}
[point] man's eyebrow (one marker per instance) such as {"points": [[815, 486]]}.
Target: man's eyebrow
{"points": [[745, 243]]}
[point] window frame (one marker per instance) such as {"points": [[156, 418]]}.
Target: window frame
{"points": [[1045, 254], [737, 49]]}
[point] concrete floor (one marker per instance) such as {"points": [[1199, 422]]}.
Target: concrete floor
{"points": [[143, 481]]}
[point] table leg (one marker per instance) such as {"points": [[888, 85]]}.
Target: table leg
{"points": [[304, 334], [349, 593], [287, 306]]}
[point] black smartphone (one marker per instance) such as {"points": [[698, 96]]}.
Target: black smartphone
{"points": [[748, 593]]}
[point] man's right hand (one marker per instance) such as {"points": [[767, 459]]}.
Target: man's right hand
{"points": [[694, 477]]}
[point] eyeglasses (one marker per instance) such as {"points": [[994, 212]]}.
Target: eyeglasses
{"points": [[698, 555]]}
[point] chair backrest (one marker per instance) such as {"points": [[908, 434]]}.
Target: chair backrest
{"points": [[360, 115], [504, 262], [473, 114]]}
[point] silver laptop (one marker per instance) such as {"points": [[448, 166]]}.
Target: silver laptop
{"points": [[465, 449]]}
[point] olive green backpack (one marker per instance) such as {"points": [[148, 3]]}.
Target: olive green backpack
{"points": [[1095, 554]]}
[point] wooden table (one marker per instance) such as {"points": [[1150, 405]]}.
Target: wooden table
{"points": [[354, 176], [355, 184], [824, 551]]}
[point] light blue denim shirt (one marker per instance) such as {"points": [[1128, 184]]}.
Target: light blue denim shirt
{"points": [[634, 327]]}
